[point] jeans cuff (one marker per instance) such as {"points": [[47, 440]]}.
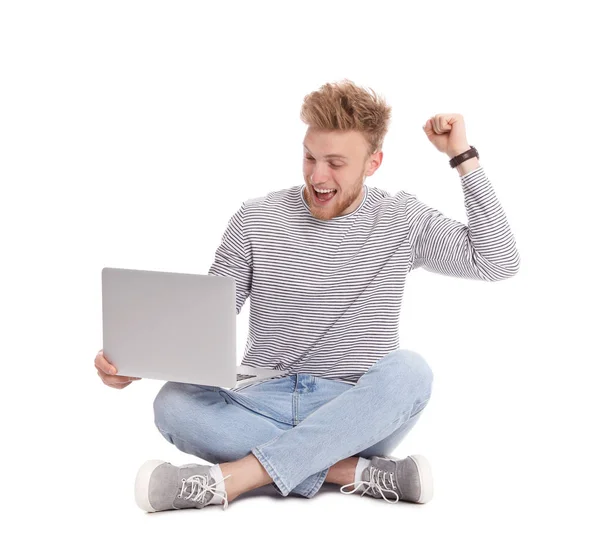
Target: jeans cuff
{"points": [[318, 484], [274, 476]]}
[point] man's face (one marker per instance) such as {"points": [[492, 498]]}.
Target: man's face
{"points": [[336, 160]]}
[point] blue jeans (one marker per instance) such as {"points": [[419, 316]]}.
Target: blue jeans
{"points": [[300, 425]]}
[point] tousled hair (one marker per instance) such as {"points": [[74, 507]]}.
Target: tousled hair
{"points": [[345, 106]]}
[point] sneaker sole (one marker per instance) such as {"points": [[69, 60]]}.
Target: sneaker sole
{"points": [[424, 469], [142, 482]]}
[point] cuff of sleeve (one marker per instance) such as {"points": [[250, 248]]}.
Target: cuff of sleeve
{"points": [[477, 170]]}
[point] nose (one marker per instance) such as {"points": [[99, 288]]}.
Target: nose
{"points": [[319, 175]]}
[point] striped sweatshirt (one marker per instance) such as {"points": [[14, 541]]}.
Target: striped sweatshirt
{"points": [[325, 295]]}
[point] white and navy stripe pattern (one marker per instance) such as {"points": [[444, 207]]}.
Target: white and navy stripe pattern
{"points": [[325, 296]]}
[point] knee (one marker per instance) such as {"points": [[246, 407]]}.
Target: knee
{"points": [[169, 405], [408, 370]]}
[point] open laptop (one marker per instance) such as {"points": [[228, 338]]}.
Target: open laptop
{"points": [[174, 326]]}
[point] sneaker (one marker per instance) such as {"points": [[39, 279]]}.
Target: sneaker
{"points": [[406, 479], [161, 486]]}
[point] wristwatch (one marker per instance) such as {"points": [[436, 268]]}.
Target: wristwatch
{"points": [[462, 157]]}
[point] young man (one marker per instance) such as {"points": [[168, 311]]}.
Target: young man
{"points": [[326, 263]]}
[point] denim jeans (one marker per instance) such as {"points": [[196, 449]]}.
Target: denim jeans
{"points": [[300, 425]]}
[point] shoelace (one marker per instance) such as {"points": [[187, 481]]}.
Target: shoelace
{"points": [[200, 482], [377, 483]]}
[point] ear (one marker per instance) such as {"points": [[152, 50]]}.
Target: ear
{"points": [[374, 163]]}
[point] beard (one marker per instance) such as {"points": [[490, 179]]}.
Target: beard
{"points": [[344, 198]]}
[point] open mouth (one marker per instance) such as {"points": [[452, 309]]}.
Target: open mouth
{"points": [[323, 198]]}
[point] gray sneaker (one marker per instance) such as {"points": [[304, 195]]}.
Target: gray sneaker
{"points": [[161, 486], [406, 479]]}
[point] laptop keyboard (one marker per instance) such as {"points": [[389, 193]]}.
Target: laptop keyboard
{"points": [[244, 377]]}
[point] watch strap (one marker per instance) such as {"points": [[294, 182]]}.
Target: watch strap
{"points": [[461, 157]]}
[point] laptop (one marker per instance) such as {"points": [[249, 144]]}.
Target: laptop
{"points": [[174, 327]]}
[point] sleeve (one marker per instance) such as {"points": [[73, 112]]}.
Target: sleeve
{"points": [[233, 257], [483, 250]]}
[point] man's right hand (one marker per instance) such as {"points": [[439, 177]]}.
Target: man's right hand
{"points": [[108, 373]]}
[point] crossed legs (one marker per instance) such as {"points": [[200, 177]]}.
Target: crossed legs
{"points": [[257, 450]]}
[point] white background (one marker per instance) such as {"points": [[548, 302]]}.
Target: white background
{"points": [[130, 132]]}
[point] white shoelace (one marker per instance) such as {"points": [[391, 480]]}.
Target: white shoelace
{"points": [[200, 482], [377, 483]]}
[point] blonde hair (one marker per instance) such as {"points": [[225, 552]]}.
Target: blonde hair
{"points": [[345, 106]]}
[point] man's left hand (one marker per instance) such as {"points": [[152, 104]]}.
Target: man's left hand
{"points": [[447, 133]]}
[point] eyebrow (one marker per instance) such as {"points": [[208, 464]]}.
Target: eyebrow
{"points": [[330, 155]]}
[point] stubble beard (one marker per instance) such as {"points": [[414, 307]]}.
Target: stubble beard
{"points": [[341, 202]]}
